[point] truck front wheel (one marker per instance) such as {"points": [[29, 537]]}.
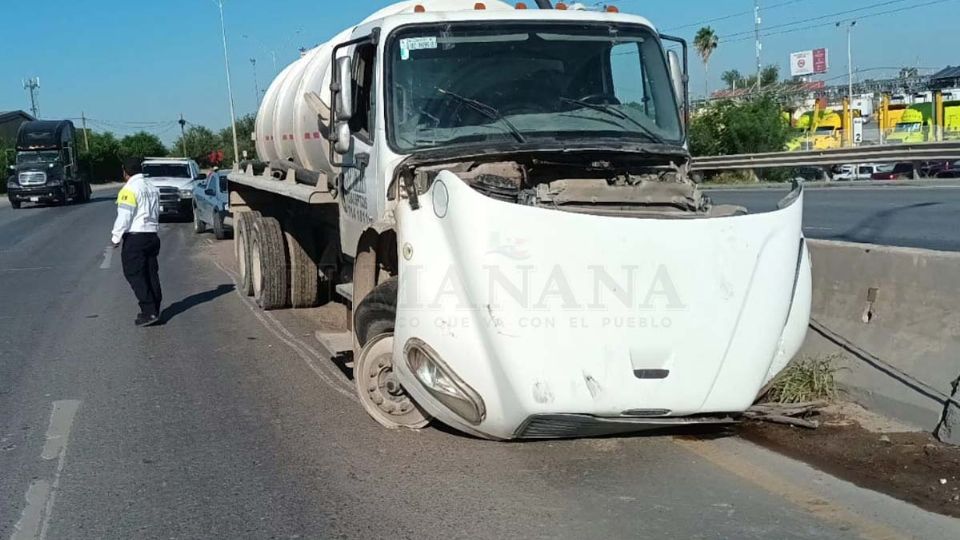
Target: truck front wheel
{"points": [[15, 204], [380, 391]]}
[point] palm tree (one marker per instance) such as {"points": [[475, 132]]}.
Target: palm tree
{"points": [[706, 42]]}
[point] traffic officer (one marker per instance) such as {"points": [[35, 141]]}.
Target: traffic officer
{"points": [[137, 224]]}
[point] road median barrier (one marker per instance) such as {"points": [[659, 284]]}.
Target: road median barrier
{"points": [[891, 314]]}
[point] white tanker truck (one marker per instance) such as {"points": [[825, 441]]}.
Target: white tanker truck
{"points": [[501, 196]]}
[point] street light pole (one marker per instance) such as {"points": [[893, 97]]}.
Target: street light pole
{"points": [[226, 64], [256, 85], [850, 62]]}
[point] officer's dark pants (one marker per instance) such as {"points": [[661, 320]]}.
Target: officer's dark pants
{"points": [[139, 256]]}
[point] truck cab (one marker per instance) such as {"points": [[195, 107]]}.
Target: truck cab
{"points": [[46, 168], [175, 178]]}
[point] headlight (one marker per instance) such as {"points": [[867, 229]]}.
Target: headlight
{"points": [[442, 383], [186, 193]]}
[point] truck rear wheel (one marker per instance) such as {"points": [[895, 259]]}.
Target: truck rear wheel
{"points": [[380, 391], [268, 264], [303, 268], [243, 233]]}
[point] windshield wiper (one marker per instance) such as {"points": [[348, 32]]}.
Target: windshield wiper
{"points": [[604, 108], [487, 110]]}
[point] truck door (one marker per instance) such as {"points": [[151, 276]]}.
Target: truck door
{"points": [[361, 200]]}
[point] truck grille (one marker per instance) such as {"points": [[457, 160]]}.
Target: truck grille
{"points": [[32, 178], [169, 195]]}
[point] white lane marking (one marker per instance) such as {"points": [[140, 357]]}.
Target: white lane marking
{"points": [[107, 257], [818, 228], [35, 519], [306, 353], [29, 269]]}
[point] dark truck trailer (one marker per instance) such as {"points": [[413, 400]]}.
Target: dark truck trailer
{"points": [[46, 169]]}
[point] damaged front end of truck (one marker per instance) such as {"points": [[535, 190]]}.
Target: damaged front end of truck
{"points": [[616, 297]]}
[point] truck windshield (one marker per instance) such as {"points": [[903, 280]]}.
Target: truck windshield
{"points": [[907, 127], [166, 170], [465, 83], [31, 158]]}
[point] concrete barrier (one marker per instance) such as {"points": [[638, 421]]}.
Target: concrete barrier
{"points": [[892, 314]]}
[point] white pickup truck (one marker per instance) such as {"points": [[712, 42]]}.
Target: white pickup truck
{"points": [[501, 196], [175, 178]]}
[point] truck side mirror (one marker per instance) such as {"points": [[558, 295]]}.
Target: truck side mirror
{"points": [[341, 143], [344, 103], [676, 73]]}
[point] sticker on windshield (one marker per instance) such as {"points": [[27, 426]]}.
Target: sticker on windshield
{"points": [[416, 44]]}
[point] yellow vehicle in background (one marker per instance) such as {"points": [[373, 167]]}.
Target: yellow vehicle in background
{"points": [[915, 125], [951, 121]]}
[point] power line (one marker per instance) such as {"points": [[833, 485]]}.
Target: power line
{"points": [[833, 22], [818, 18], [732, 15]]}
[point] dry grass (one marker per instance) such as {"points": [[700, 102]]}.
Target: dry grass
{"points": [[805, 380]]}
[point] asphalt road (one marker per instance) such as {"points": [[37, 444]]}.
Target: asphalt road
{"points": [[916, 216], [227, 423]]}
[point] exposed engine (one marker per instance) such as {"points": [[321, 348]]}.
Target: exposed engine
{"points": [[598, 188]]}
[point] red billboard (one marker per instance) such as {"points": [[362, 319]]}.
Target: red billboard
{"points": [[819, 60]]}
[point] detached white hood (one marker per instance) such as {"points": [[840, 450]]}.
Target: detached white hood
{"points": [[546, 312]]}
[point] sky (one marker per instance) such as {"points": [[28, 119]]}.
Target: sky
{"points": [[135, 64]]}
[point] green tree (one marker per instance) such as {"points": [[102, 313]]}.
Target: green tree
{"points": [[200, 142], [770, 75], [6, 153], [102, 162], [245, 129], [141, 145], [706, 42], [727, 127], [732, 78]]}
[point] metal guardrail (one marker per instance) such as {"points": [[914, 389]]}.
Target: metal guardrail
{"points": [[934, 151]]}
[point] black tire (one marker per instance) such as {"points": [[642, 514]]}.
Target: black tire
{"points": [[268, 263], [303, 269], [87, 192], [199, 226], [242, 234], [15, 204], [218, 230], [377, 313]]}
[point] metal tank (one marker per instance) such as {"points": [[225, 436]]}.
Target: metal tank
{"points": [[286, 125]]}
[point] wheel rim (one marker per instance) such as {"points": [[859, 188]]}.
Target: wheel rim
{"points": [[379, 389], [255, 268], [242, 255]]}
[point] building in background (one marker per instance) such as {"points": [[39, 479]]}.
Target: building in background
{"points": [[10, 122]]}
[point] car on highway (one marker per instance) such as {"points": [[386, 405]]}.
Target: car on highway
{"points": [[952, 171], [175, 179], [211, 206], [900, 171], [861, 171]]}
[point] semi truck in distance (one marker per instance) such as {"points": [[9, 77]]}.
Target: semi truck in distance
{"points": [[45, 169], [501, 196]]}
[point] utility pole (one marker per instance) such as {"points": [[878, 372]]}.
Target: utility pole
{"points": [[256, 85], [86, 139], [756, 36], [32, 86], [226, 64], [183, 135]]}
